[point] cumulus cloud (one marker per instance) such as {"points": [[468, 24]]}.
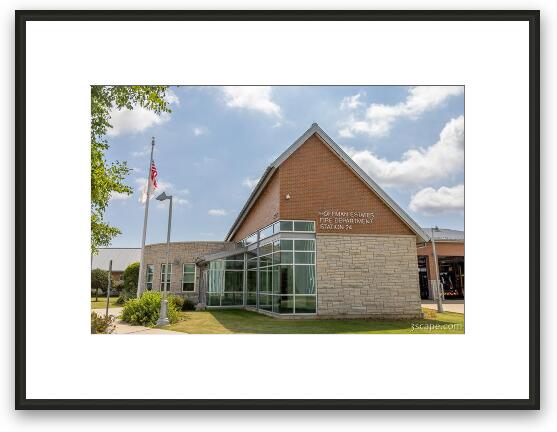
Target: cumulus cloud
{"points": [[435, 201], [379, 118], [418, 166], [217, 212], [250, 183], [127, 121], [164, 186], [351, 102], [257, 98]]}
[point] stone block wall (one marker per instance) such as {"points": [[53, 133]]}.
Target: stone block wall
{"points": [[367, 276], [180, 253]]}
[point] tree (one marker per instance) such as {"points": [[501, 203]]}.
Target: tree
{"points": [[99, 280], [108, 177], [131, 277]]}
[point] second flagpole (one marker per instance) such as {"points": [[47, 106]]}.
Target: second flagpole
{"points": [[142, 275]]}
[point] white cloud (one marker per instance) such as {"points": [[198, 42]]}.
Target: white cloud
{"points": [[127, 121], [378, 120], [119, 196], [197, 131], [250, 183], [217, 212], [351, 102], [418, 166], [435, 201], [256, 98]]}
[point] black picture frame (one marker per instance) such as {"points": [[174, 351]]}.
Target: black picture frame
{"points": [[531, 16]]}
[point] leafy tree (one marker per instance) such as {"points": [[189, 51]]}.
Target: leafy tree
{"points": [[99, 280], [131, 277], [108, 177]]}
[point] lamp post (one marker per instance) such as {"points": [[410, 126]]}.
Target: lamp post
{"points": [[163, 317], [439, 294]]}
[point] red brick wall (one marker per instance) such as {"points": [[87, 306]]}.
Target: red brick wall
{"points": [[317, 180], [265, 210]]}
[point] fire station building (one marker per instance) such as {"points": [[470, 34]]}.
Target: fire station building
{"points": [[317, 238]]}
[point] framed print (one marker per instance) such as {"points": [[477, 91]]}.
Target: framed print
{"points": [[274, 209]]}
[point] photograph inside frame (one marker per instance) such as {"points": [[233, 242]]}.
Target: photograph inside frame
{"points": [[277, 209]]}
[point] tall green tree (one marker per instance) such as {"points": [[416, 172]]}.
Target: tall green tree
{"points": [[108, 177]]}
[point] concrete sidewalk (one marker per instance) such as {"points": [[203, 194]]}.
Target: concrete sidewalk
{"points": [[125, 328], [447, 306]]}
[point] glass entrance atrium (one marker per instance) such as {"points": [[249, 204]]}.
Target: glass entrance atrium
{"points": [[275, 272]]}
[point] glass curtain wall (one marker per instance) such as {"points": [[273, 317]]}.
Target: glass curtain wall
{"points": [[226, 281], [286, 272]]}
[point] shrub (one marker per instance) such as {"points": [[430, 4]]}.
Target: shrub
{"points": [[178, 302], [188, 305], [429, 313], [99, 281], [102, 324], [145, 310]]}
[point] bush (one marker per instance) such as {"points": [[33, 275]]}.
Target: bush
{"points": [[188, 305], [145, 310], [178, 302], [102, 324], [99, 281]]}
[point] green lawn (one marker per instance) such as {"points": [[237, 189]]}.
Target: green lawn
{"points": [[241, 321], [101, 304]]}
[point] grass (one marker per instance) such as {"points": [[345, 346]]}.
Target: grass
{"points": [[241, 321], [101, 304]]}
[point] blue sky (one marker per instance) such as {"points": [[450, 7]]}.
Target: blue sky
{"points": [[218, 140]]}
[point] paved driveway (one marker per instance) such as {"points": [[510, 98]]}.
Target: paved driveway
{"points": [[124, 328], [447, 307]]}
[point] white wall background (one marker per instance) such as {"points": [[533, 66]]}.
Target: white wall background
{"points": [[60, 421]]}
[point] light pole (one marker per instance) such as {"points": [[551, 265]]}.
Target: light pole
{"points": [[439, 293], [163, 318]]}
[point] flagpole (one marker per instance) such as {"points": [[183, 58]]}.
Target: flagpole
{"points": [[142, 275]]}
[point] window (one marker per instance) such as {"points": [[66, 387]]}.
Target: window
{"points": [[166, 277], [149, 278], [188, 277]]}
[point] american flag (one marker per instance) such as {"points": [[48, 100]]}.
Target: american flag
{"points": [[152, 184]]}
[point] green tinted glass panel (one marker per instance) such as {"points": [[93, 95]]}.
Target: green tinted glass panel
{"points": [[234, 265], [304, 258], [276, 277], [305, 279], [286, 225], [265, 301], [233, 281], [252, 264], [286, 258], [189, 268], [303, 226], [251, 299], [232, 299], [265, 280], [252, 281], [286, 280], [213, 300], [286, 245], [305, 304], [283, 304], [304, 245], [265, 261]]}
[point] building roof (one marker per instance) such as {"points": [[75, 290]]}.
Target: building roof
{"points": [[121, 258], [443, 234], [315, 129]]}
